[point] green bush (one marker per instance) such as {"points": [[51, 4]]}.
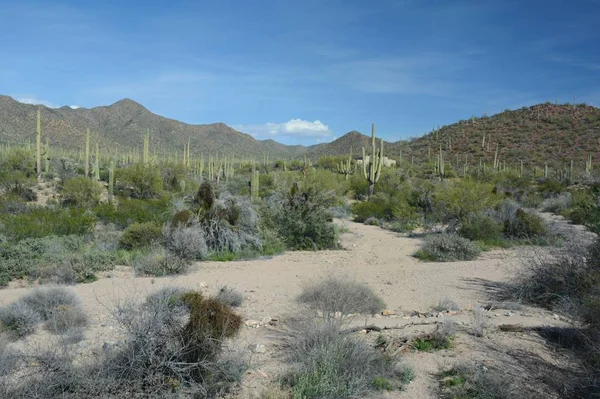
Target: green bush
{"points": [[138, 181], [526, 226], [140, 235], [480, 227], [17, 173], [447, 248], [302, 218], [39, 222], [456, 201], [64, 260], [130, 211], [79, 191]]}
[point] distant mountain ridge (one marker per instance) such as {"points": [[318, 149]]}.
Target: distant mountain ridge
{"points": [[543, 133]]}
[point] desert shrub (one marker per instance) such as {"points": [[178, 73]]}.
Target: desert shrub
{"points": [[400, 204], [558, 203], [17, 173], [526, 225], [479, 323], [440, 338], [301, 218], [166, 296], [329, 364], [42, 304], [210, 322], [160, 262], [19, 318], [66, 168], [340, 295], [64, 259], [229, 296], [446, 247], [455, 201], [561, 280], [39, 222], [80, 191], [140, 235], [47, 298], [445, 304], [130, 211], [172, 177], [585, 209], [138, 181], [481, 227], [64, 319], [471, 382], [185, 242], [230, 224]]}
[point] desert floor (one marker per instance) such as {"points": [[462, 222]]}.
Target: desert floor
{"points": [[383, 260]]}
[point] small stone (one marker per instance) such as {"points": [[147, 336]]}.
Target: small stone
{"points": [[203, 284], [107, 345], [388, 312], [362, 332], [258, 348], [440, 314], [266, 320], [252, 323], [555, 316]]}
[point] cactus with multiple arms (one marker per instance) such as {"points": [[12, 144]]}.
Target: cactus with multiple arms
{"points": [[372, 169]]}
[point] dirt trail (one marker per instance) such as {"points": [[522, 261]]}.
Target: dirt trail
{"points": [[380, 258]]}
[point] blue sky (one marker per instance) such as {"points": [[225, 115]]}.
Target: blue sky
{"points": [[303, 71]]}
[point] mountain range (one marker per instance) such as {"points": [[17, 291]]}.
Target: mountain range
{"points": [[541, 134]]}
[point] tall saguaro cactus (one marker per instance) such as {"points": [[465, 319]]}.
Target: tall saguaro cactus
{"points": [[111, 181], [87, 153], [39, 143], [372, 169]]}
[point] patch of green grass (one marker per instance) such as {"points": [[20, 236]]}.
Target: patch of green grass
{"points": [[382, 384], [431, 344]]}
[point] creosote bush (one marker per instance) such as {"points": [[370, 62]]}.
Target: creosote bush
{"points": [[138, 181], [140, 235], [82, 192], [160, 262], [446, 247], [343, 296]]}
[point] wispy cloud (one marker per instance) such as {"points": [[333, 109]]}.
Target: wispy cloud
{"points": [[35, 101], [292, 128]]}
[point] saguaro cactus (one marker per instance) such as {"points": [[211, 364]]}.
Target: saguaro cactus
{"points": [[87, 153], [345, 167], [372, 169], [39, 143], [254, 182], [111, 180]]}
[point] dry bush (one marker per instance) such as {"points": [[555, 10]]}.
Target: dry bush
{"points": [[446, 247], [466, 381], [229, 296], [43, 304], [479, 323], [160, 262], [19, 318], [445, 304], [328, 364], [341, 296], [66, 319], [187, 242]]}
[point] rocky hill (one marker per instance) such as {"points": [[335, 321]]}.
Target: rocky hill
{"points": [[537, 135]]}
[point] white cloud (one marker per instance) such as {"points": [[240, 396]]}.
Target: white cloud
{"points": [[291, 128], [74, 106], [35, 101]]}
